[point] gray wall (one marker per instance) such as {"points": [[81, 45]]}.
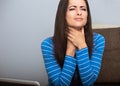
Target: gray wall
{"points": [[105, 11], [25, 23]]}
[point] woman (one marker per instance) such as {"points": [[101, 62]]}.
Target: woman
{"points": [[73, 55]]}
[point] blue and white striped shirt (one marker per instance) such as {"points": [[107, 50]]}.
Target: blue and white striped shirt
{"points": [[88, 68]]}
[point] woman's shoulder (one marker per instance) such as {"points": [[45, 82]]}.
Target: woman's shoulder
{"points": [[97, 38], [47, 41]]}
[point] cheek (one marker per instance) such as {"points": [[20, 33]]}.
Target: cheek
{"points": [[69, 16], [85, 17]]}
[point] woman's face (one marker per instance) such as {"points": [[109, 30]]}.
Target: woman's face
{"points": [[76, 15]]}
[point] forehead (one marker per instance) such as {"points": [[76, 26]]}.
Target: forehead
{"points": [[77, 2]]}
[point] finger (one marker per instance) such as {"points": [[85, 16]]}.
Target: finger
{"points": [[73, 32], [82, 30], [66, 29], [72, 29], [70, 35], [70, 39]]}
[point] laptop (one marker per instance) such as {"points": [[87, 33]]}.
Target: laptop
{"points": [[17, 82]]}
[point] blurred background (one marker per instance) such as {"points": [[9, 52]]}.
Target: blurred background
{"points": [[24, 24]]}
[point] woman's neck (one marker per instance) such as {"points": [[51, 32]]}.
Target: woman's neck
{"points": [[77, 28]]}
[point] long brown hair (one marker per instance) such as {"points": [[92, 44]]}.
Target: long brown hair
{"points": [[60, 36]]}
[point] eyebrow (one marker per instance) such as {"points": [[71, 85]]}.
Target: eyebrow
{"points": [[76, 6]]}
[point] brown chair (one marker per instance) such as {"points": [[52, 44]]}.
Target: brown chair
{"points": [[110, 69]]}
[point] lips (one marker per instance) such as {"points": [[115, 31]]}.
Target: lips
{"points": [[78, 19]]}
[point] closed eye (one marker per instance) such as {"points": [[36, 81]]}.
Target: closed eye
{"points": [[84, 9], [71, 9]]}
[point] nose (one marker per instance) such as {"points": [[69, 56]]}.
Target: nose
{"points": [[79, 12]]}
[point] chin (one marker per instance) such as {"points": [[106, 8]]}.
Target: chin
{"points": [[79, 27]]}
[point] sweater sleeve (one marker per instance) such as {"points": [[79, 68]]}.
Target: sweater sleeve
{"points": [[89, 68], [56, 75]]}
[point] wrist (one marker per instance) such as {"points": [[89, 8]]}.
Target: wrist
{"points": [[82, 46], [70, 53]]}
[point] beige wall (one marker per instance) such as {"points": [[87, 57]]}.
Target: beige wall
{"points": [[101, 26]]}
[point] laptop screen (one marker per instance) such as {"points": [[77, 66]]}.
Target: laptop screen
{"points": [[17, 82]]}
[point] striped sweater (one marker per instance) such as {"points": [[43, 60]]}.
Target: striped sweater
{"points": [[88, 68]]}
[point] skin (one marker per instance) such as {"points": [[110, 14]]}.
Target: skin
{"points": [[76, 17]]}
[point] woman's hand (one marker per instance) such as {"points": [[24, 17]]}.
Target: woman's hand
{"points": [[77, 37]]}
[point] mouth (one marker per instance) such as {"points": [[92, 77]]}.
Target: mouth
{"points": [[78, 19]]}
